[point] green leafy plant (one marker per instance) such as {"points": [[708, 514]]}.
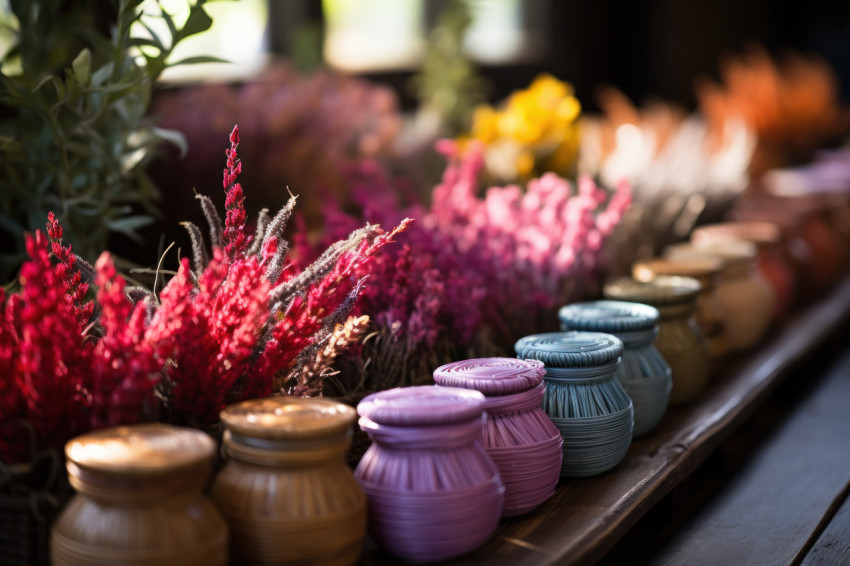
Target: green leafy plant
{"points": [[448, 83], [74, 137]]}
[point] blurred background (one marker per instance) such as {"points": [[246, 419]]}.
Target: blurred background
{"points": [[317, 86]]}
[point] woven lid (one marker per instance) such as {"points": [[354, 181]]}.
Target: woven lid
{"points": [[570, 349], [663, 290], [422, 405], [697, 266], [287, 418], [491, 376], [608, 316], [141, 450]]}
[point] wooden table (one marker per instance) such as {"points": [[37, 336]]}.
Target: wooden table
{"points": [[586, 517]]}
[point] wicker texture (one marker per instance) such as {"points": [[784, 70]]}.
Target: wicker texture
{"points": [[643, 373], [140, 500], [286, 492]]}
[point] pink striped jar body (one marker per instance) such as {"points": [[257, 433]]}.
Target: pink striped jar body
{"points": [[433, 492], [519, 436]]}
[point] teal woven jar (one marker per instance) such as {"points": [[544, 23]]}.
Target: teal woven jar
{"points": [[643, 373], [583, 398]]}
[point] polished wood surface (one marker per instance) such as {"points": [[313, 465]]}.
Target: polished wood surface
{"points": [[586, 517], [776, 507]]}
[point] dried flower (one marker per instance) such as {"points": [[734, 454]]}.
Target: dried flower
{"points": [[474, 273], [74, 273]]}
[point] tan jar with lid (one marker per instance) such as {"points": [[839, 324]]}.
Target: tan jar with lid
{"points": [[709, 313], [745, 296], [286, 492], [680, 341], [140, 500]]}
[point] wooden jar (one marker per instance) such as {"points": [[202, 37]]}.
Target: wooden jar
{"points": [[770, 262], [140, 500], [709, 313], [746, 298], [286, 492], [680, 340]]}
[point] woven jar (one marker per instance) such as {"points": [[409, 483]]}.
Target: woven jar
{"points": [[680, 341], [770, 262], [583, 398], [518, 435], [286, 492], [433, 491], [709, 314], [643, 372], [140, 500], [745, 296]]}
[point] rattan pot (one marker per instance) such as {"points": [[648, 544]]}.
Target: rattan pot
{"points": [[709, 314], [286, 492], [643, 372], [140, 500], [679, 340]]}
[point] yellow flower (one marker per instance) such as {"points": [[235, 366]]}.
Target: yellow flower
{"points": [[540, 121]]}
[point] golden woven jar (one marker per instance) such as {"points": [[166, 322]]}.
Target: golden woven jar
{"points": [[709, 313], [680, 341], [140, 500], [747, 299], [286, 492]]}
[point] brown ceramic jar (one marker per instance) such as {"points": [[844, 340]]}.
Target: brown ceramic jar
{"points": [[680, 341], [709, 313], [140, 500], [746, 298], [771, 261], [286, 492]]}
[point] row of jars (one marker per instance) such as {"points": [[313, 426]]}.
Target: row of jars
{"points": [[447, 461], [490, 440]]}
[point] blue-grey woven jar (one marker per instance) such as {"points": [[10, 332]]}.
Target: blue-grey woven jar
{"points": [[643, 373], [583, 398]]}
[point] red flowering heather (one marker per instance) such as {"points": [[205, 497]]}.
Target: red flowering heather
{"points": [[70, 272], [52, 367], [256, 322], [56, 383], [235, 240], [124, 370]]}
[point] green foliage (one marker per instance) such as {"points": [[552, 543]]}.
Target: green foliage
{"points": [[73, 134], [448, 83]]}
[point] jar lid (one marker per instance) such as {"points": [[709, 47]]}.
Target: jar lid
{"points": [[570, 349], [140, 450], [609, 316], [760, 232], [662, 290], [491, 376], [697, 267], [288, 418], [735, 254], [422, 405]]}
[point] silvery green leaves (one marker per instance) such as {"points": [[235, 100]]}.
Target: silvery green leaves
{"points": [[74, 137]]}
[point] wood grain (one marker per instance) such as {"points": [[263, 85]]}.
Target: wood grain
{"points": [[832, 548], [776, 504], [586, 517]]}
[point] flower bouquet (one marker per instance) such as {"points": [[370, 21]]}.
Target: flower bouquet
{"points": [[80, 349]]}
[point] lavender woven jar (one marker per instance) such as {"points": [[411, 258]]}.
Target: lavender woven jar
{"points": [[519, 437], [643, 372], [433, 491], [584, 400]]}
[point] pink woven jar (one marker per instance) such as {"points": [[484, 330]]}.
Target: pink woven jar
{"points": [[433, 492], [518, 435]]}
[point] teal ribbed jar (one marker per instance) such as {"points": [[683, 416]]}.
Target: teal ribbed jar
{"points": [[583, 398], [643, 372]]}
